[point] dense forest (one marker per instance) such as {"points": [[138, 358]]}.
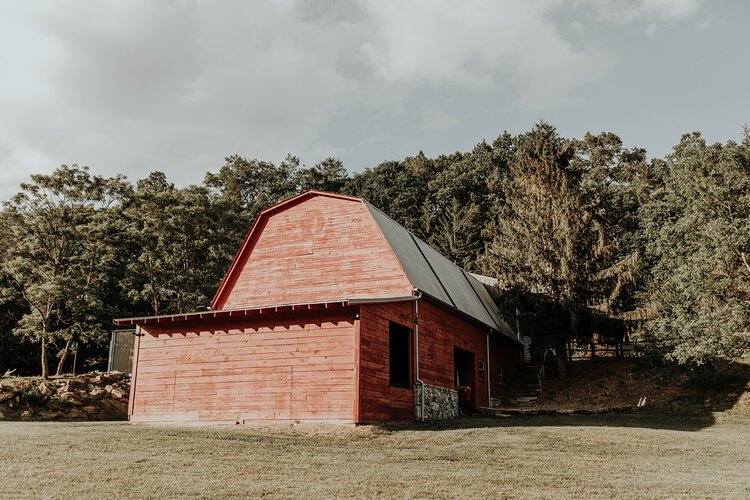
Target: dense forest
{"points": [[585, 224]]}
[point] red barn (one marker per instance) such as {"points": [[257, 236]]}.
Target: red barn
{"points": [[330, 311]]}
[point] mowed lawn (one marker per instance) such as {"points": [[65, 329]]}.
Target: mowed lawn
{"points": [[525, 456]]}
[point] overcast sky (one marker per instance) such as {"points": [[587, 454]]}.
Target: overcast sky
{"points": [[134, 86]]}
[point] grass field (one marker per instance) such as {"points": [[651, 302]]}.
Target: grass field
{"points": [[527, 456]]}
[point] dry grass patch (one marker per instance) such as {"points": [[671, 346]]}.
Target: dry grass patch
{"points": [[596, 456]]}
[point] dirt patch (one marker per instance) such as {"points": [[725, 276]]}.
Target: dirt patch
{"points": [[724, 387], [86, 397]]}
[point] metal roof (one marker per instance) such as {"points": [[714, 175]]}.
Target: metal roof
{"points": [[437, 277]]}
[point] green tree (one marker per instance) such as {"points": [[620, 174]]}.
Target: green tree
{"points": [[176, 241], [547, 237], [328, 175], [697, 231], [400, 189], [58, 255]]}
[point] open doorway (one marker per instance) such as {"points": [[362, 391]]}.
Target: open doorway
{"points": [[465, 372]]}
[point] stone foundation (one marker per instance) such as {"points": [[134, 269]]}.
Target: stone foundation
{"points": [[439, 402]]}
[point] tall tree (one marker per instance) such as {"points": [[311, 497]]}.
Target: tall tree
{"points": [[177, 245], [545, 238], [461, 205], [57, 254], [328, 175], [697, 232]]}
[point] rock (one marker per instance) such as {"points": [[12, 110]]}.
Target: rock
{"points": [[89, 409], [97, 380], [44, 389], [51, 415], [108, 388], [96, 391], [4, 396], [117, 393], [26, 414]]}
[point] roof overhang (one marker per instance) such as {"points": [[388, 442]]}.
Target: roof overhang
{"points": [[254, 311]]}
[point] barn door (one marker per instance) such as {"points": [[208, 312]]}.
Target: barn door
{"points": [[464, 363]]}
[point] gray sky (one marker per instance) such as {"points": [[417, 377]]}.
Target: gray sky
{"points": [[134, 86]]}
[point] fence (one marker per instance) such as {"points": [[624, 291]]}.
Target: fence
{"points": [[121, 346], [596, 349]]}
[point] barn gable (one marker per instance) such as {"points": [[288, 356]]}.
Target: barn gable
{"points": [[316, 247]]}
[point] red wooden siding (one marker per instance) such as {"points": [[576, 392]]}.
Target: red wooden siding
{"points": [[440, 331], [298, 366], [377, 399], [506, 355], [323, 249]]}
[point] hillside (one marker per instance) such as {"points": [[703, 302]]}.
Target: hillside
{"points": [[592, 385]]}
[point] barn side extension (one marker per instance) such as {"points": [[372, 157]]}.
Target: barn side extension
{"points": [[330, 311]]}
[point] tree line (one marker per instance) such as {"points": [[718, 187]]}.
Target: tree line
{"points": [[585, 223]]}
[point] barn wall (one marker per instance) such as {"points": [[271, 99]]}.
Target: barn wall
{"points": [[324, 249], [504, 354], [280, 367], [378, 401], [440, 330]]}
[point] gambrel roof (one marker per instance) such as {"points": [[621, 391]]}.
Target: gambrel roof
{"points": [[437, 276], [428, 271]]}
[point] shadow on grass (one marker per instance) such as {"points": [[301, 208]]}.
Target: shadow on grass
{"points": [[649, 420], [700, 393]]}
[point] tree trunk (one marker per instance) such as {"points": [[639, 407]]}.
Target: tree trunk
{"points": [[45, 365], [64, 356]]}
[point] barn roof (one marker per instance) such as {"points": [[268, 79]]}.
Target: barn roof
{"points": [[438, 277], [429, 272]]}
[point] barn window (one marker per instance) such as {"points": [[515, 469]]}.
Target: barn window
{"points": [[400, 355]]}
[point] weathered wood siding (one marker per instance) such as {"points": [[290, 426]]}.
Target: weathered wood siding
{"points": [[280, 367], [378, 401], [321, 249], [440, 331], [506, 355]]}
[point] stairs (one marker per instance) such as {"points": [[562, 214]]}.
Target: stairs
{"points": [[523, 395]]}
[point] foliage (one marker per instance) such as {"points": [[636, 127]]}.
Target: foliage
{"points": [[175, 239], [57, 255], [697, 233], [573, 228]]}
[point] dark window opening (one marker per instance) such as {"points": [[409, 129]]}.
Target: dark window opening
{"points": [[400, 355]]}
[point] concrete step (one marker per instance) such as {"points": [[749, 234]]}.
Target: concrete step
{"points": [[523, 394], [509, 410], [522, 388], [523, 400]]}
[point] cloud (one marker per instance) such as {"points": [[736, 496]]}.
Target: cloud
{"points": [[476, 46], [133, 86], [627, 11], [433, 118]]}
